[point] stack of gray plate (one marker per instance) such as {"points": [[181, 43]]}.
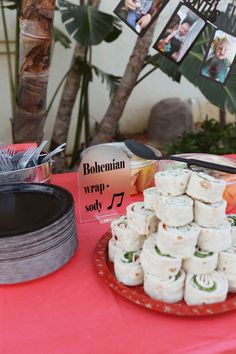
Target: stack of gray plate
{"points": [[37, 230]]}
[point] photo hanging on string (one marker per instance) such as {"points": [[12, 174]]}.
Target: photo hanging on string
{"points": [[180, 33], [139, 14], [219, 57]]}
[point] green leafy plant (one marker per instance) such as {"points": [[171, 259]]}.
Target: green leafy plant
{"points": [[88, 27], [211, 138]]}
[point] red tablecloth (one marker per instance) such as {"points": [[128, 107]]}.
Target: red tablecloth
{"points": [[73, 312]]}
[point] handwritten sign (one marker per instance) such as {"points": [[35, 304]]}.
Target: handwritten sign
{"points": [[104, 183]]}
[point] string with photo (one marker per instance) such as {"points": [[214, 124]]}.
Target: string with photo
{"points": [[221, 51], [184, 27]]}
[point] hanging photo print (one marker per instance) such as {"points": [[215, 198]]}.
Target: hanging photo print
{"points": [[139, 14], [221, 53], [220, 57], [180, 33]]}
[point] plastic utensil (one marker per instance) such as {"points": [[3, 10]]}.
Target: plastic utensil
{"points": [[148, 153]]}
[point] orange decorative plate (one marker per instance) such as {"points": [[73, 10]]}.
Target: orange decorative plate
{"points": [[137, 295]]}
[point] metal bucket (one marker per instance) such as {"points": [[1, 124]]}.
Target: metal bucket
{"points": [[36, 174]]}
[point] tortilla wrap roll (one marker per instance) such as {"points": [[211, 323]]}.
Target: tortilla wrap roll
{"points": [[205, 188], [175, 211], [112, 249], [170, 290], [179, 241], [128, 269], [172, 183], [232, 282], [216, 239], [232, 220], [209, 215], [150, 198], [205, 288], [227, 260], [227, 265], [201, 262], [157, 263], [126, 238], [142, 220]]}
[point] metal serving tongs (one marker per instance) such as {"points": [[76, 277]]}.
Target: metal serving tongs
{"points": [[149, 153]]}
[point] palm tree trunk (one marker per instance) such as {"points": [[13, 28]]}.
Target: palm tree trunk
{"points": [[66, 105], [108, 126], [67, 101], [69, 94], [36, 25]]}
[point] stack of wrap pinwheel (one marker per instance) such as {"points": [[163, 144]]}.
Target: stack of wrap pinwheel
{"points": [[178, 242]]}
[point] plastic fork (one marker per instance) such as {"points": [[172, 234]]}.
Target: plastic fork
{"points": [[38, 151], [9, 151], [53, 152], [4, 166], [5, 158], [17, 157], [35, 156], [25, 159]]}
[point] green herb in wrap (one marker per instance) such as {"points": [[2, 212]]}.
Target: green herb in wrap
{"points": [[178, 275], [202, 254], [204, 288], [130, 257], [232, 219], [160, 253]]}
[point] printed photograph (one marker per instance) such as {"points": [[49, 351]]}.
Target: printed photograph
{"points": [[220, 57], [180, 34], [139, 14]]}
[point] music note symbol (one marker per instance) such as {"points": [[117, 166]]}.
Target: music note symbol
{"points": [[121, 195]]}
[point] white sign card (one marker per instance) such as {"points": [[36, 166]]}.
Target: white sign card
{"points": [[104, 183]]}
